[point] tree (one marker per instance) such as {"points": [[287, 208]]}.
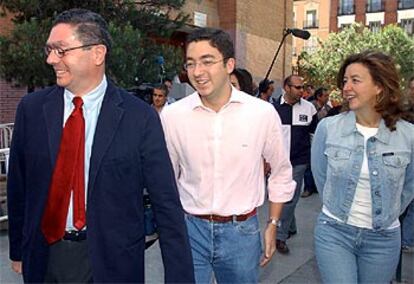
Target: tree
{"points": [[320, 68], [136, 28]]}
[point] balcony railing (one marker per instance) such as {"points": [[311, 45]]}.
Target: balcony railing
{"points": [[310, 24], [375, 6], [346, 10], [405, 4]]}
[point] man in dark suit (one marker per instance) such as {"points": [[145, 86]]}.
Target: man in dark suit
{"points": [[124, 152]]}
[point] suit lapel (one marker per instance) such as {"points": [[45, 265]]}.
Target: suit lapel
{"points": [[53, 114], [108, 121]]}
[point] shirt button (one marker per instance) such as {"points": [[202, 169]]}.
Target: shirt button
{"points": [[378, 211], [377, 193], [375, 173]]}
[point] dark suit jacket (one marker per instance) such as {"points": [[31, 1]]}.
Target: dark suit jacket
{"points": [[128, 154]]}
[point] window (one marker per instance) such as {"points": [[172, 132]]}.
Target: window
{"points": [[375, 6], [311, 45], [408, 26], [375, 27], [405, 4], [346, 7], [310, 21]]}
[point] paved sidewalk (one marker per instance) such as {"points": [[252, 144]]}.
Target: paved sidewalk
{"points": [[297, 267]]}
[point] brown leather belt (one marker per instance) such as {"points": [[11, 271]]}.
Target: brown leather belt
{"points": [[225, 219]]}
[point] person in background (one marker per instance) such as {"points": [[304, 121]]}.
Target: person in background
{"points": [[335, 98], [168, 83], [242, 80], [159, 97], [321, 104], [217, 138], [299, 120], [266, 89], [81, 155], [309, 93], [363, 165]]}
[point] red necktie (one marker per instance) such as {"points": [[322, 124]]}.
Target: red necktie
{"points": [[68, 175]]}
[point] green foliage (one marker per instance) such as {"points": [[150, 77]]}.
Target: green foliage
{"points": [[133, 60], [320, 68], [133, 25]]}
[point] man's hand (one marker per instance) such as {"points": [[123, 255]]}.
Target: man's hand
{"points": [[269, 244], [16, 266]]}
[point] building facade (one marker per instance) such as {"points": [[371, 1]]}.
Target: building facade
{"points": [[313, 16], [374, 14]]}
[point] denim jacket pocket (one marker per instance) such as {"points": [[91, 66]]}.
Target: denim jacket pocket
{"points": [[337, 159], [395, 165], [397, 160], [337, 154]]}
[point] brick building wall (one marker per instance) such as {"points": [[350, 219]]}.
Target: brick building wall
{"points": [[256, 27], [9, 95], [9, 98]]}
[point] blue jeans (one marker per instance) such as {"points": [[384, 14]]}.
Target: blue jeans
{"points": [[348, 254], [229, 250], [408, 226], [287, 218]]}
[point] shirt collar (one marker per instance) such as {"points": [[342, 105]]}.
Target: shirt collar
{"points": [[283, 101], [91, 99], [236, 96]]}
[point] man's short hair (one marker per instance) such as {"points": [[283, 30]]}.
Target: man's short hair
{"points": [[91, 28], [162, 87], [264, 85], [320, 91], [288, 79], [216, 37]]}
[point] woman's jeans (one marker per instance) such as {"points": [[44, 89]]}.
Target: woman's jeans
{"points": [[230, 250], [348, 254]]}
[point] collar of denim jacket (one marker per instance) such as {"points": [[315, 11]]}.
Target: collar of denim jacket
{"points": [[349, 127]]}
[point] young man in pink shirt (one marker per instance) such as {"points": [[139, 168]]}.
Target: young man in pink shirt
{"points": [[217, 139]]}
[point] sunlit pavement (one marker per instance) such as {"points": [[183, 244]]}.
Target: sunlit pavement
{"points": [[299, 266]]}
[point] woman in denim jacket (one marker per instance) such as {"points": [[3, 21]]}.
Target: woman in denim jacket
{"points": [[362, 162]]}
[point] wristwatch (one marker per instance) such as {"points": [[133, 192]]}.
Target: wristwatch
{"points": [[275, 222]]}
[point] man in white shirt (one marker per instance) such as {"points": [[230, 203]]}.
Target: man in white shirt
{"points": [[217, 139]]}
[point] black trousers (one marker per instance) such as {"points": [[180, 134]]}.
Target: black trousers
{"points": [[69, 263]]}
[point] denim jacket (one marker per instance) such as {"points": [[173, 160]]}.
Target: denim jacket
{"points": [[336, 159]]}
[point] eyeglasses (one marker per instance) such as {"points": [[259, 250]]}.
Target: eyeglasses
{"points": [[205, 63], [301, 87], [60, 52]]}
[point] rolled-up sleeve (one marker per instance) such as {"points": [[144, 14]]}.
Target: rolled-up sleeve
{"points": [[281, 186]]}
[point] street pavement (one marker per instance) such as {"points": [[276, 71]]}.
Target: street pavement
{"points": [[299, 266]]}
